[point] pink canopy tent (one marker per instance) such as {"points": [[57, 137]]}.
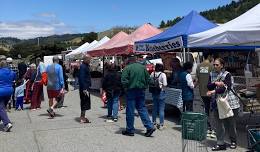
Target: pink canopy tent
{"points": [[125, 46], [114, 40]]}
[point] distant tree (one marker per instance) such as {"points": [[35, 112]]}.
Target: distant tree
{"points": [[162, 25], [89, 37]]}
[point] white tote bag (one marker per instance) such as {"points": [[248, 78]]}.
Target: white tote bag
{"points": [[224, 109]]}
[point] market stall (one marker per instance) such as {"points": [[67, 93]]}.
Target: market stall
{"points": [[237, 41], [174, 39]]}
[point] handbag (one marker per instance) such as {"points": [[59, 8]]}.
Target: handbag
{"points": [[224, 109]]}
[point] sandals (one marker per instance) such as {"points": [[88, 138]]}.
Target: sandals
{"points": [[219, 147]]}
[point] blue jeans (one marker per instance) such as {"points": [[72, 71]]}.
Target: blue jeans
{"points": [[3, 114], [159, 106], [19, 102], [76, 83], [135, 98], [112, 106]]}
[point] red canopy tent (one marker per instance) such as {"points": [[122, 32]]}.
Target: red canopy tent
{"points": [[125, 46], [113, 41]]}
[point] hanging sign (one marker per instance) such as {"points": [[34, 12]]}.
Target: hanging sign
{"points": [[168, 45]]}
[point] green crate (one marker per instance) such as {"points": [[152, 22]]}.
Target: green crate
{"points": [[254, 139], [194, 126]]}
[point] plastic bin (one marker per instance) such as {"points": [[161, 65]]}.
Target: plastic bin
{"points": [[194, 126]]}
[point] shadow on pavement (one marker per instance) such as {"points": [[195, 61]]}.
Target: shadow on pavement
{"points": [[47, 115], [137, 131]]}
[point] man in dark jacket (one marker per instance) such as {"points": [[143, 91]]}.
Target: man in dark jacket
{"points": [[135, 79], [84, 84], [112, 86]]}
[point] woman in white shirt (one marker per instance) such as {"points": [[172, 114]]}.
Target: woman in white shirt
{"points": [[159, 96]]}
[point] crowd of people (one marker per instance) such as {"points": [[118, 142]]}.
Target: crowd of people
{"points": [[212, 79]]}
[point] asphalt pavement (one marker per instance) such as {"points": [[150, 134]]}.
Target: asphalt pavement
{"points": [[34, 131]]}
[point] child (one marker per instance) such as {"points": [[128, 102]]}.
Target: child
{"points": [[19, 94]]}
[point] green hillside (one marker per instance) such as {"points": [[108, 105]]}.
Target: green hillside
{"points": [[56, 43], [221, 14]]}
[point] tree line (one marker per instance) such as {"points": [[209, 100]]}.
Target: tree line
{"points": [[221, 14]]}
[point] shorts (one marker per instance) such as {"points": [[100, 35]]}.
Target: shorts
{"points": [[53, 93]]}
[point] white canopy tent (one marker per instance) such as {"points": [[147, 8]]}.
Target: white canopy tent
{"points": [[82, 47], [92, 47], [241, 31]]}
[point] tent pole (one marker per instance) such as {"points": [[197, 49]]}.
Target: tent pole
{"points": [[103, 69], [188, 57], [184, 55]]}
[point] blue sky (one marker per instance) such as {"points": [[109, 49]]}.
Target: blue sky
{"points": [[32, 18]]}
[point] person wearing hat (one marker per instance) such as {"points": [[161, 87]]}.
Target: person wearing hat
{"points": [[135, 80]]}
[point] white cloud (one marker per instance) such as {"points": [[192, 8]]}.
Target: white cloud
{"points": [[32, 29], [46, 14]]}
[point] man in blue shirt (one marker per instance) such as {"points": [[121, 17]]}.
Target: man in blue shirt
{"points": [[55, 86]]}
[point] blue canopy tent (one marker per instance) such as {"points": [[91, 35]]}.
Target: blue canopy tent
{"points": [[176, 36]]}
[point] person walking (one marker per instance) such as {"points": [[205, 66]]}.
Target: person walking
{"points": [[55, 85], [29, 76], [159, 96], [84, 85], [6, 90], [112, 86], [39, 79], [135, 80], [61, 98], [202, 73], [221, 83], [187, 87]]}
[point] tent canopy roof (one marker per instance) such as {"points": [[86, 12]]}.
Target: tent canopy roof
{"points": [[190, 24], [144, 31], [114, 40], [243, 30], [95, 45]]}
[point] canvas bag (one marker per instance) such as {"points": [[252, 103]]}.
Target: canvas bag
{"points": [[224, 109]]}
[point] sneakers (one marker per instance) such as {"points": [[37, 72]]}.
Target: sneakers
{"points": [[211, 134], [149, 132], [233, 145], [126, 133], [219, 147], [112, 120], [8, 127], [51, 112], [161, 127]]}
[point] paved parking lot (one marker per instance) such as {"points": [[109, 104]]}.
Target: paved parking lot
{"points": [[33, 131]]}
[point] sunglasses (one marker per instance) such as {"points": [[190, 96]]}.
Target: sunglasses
{"points": [[215, 64]]}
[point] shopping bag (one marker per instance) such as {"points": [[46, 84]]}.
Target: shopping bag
{"points": [[104, 97], [224, 109]]}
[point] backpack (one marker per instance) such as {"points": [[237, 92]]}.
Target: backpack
{"points": [[154, 85]]}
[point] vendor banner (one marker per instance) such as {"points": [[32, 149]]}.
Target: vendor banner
{"points": [[171, 44]]}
